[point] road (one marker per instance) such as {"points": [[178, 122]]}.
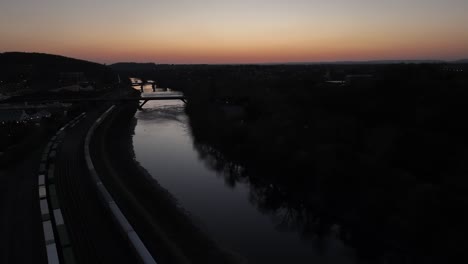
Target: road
{"points": [[94, 238]]}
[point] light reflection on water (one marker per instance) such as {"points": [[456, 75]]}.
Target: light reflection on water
{"points": [[164, 146]]}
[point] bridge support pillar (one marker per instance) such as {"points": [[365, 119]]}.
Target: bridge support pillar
{"points": [[140, 107]]}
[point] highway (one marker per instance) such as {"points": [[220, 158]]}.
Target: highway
{"points": [[93, 236]]}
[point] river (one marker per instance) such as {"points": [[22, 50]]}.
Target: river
{"points": [[164, 146]]}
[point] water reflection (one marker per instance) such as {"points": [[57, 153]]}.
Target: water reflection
{"points": [[286, 207], [261, 220], [164, 113], [257, 219], [340, 197], [232, 172]]}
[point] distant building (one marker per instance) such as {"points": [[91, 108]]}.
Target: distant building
{"points": [[13, 116], [338, 83], [39, 115], [453, 68], [4, 97], [69, 78], [12, 88], [74, 88]]}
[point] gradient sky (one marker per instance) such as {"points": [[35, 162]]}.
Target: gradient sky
{"points": [[236, 31]]}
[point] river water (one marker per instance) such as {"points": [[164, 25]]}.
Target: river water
{"points": [[164, 146]]}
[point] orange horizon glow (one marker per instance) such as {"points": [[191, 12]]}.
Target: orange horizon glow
{"points": [[257, 31]]}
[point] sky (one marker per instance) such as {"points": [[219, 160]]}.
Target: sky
{"points": [[240, 31]]}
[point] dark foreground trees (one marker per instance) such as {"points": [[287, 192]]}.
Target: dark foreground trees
{"points": [[382, 165]]}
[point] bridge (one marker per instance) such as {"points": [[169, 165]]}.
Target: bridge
{"points": [[143, 83], [161, 96], [64, 102]]}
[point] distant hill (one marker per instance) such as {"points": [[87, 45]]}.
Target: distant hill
{"points": [[358, 62], [463, 61], [147, 67], [133, 66], [45, 71]]}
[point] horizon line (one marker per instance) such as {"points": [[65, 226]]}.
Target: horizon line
{"points": [[374, 61], [306, 62]]}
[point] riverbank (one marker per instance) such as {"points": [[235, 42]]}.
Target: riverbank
{"points": [[385, 171], [167, 230]]}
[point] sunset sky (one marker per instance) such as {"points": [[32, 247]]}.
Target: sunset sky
{"points": [[241, 31]]}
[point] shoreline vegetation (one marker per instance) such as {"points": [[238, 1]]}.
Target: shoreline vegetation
{"points": [[383, 158], [385, 162], [378, 150]]}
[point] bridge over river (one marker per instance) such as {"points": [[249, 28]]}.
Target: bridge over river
{"points": [[64, 102]]}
